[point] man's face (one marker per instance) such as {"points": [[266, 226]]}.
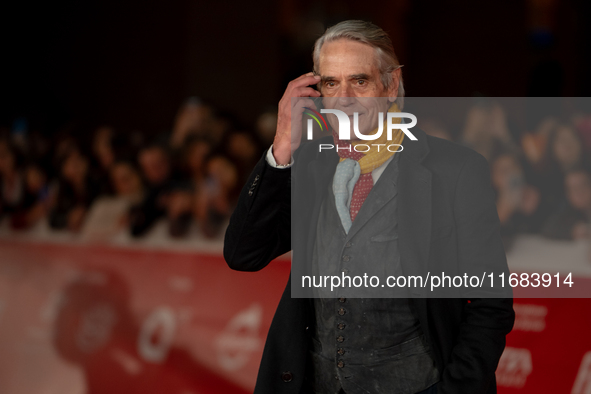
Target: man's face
{"points": [[351, 83]]}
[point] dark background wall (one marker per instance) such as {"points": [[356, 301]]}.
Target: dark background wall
{"points": [[131, 63]]}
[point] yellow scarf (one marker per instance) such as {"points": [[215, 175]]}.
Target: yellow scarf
{"points": [[373, 158]]}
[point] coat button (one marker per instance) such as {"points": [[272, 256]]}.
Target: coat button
{"points": [[348, 245], [341, 326], [340, 338], [287, 376], [341, 351], [346, 258], [340, 364], [342, 299], [342, 311]]}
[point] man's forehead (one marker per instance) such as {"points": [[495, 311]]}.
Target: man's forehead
{"points": [[345, 58]]}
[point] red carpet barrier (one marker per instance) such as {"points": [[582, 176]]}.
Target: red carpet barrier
{"points": [[549, 349], [91, 319], [77, 319]]}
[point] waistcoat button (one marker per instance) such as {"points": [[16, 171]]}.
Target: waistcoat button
{"points": [[287, 376]]}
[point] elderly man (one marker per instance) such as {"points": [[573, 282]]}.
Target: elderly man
{"points": [[411, 210]]}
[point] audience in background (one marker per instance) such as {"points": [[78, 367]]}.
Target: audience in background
{"points": [[486, 129], [198, 119], [566, 148], [265, 126], [193, 158], [244, 150], [103, 156], [76, 192], [573, 219], [12, 185], [109, 214], [517, 200], [156, 169], [37, 199], [215, 198], [190, 178], [544, 172]]}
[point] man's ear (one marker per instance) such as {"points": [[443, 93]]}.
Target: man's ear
{"points": [[393, 90]]}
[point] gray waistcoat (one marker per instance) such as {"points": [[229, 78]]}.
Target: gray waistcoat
{"points": [[365, 345]]}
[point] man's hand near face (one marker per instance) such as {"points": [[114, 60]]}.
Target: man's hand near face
{"points": [[286, 142]]}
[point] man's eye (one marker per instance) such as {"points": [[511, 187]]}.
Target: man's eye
{"points": [[330, 84], [361, 82]]}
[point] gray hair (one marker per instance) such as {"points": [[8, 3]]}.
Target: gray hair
{"points": [[375, 37]]}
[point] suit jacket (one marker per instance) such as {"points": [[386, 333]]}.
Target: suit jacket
{"points": [[446, 217]]}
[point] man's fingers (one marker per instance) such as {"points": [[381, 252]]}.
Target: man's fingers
{"points": [[304, 80], [303, 103], [303, 92], [307, 75], [307, 103], [310, 74], [308, 92]]}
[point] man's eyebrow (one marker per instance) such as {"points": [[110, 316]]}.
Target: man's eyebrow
{"points": [[359, 76], [326, 78]]}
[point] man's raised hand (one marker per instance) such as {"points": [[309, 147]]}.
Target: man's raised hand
{"points": [[298, 95]]}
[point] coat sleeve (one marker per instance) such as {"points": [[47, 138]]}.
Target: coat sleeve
{"points": [[486, 321], [260, 226]]}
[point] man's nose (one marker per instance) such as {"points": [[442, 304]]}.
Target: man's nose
{"points": [[346, 96]]}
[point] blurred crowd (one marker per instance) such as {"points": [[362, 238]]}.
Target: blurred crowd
{"points": [[540, 171], [101, 182]]}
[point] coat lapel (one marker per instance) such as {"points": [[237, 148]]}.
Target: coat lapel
{"points": [[414, 207], [414, 219], [321, 169]]}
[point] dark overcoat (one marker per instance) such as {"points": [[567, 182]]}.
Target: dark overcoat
{"points": [[446, 217]]}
